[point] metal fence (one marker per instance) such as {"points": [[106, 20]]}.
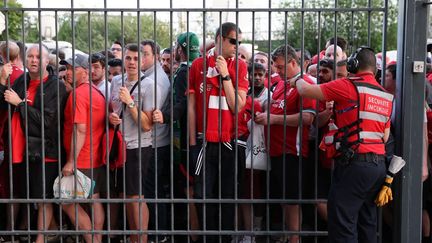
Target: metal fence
{"points": [[177, 211]]}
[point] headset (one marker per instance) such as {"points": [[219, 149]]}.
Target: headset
{"points": [[352, 62]]}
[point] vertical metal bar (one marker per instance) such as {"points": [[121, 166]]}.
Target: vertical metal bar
{"points": [[122, 124], [251, 182], [316, 155], [300, 179], [74, 135], [59, 128], [369, 24], [141, 189], [42, 121], [284, 79], [107, 152], [204, 196], [188, 196], [268, 127], [171, 164], [91, 116], [26, 145], [384, 42], [156, 209], [236, 120], [409, 128], [219, 196], [12, 218], [352, 32]]}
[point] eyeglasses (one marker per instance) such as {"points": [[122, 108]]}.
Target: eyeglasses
{"points": [[282, 66], [233, 41], [116, 49]]}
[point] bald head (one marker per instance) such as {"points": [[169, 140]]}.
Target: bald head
{"points": [[330, 52]]}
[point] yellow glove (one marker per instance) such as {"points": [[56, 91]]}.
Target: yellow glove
{"points": [[385, 194]]}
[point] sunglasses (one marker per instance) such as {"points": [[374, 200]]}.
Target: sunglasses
{"points": [[233, 41]]}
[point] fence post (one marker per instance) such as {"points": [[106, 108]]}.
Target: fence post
{"points": [[410, 98]]}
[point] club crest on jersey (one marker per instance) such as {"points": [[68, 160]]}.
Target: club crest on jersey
{"points": [[209, 87]]}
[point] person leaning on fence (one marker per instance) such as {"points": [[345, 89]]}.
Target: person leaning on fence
{"points": [[285, 153], [222, 77], [134, 170], [85, 112], [362, 126], [27, 112], [185, 52]]}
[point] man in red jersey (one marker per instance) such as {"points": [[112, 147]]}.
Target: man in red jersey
{"points": [[85, 111], [221, 96], [285, 112], [362, 122]]}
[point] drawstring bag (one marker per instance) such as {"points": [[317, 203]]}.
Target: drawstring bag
{"points": [[66, 189]]}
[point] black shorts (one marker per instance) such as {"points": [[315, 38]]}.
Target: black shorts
{"points": [[287, 188], [35, 179], [131, 171], [99, 176]]}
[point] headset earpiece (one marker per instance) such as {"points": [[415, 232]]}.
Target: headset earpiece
{"points": [[352, 61]]}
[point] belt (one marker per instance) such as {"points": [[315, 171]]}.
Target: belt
{"points": [[369, 157], [366, 157]]}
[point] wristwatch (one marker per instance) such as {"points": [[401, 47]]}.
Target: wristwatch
{"points": [[226, 78], [131, 105]]}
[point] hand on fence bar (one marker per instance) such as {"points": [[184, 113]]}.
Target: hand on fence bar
{"points": [[158, 116], [12, 97], [5, 72], [114, 119]]}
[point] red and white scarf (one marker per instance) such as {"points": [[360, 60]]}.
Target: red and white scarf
{"points": [[216, 97]]}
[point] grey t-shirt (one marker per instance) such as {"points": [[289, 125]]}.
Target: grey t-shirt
{"points": [[146, 93], [159, 79]]}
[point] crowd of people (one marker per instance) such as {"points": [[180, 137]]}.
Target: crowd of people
{"points": [[217, 122]]}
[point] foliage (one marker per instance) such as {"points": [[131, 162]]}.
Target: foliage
{"points": [[352, 25], [14, 20], [96, 23]]}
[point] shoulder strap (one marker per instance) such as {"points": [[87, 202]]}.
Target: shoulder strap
{"points": [[130, 92]]}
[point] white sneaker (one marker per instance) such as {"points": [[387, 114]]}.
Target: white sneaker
{"points": [[248, 239], [257, 224]]}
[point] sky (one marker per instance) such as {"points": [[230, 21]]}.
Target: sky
{"points": [[148, 4], [245, 19]]}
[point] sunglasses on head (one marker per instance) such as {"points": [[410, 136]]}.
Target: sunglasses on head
{"points": [[233, 41]]}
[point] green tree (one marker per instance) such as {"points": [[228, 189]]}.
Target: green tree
{"points": [[353, 26], [114, 30], [14, 19]]}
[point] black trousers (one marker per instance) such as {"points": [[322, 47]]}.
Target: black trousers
{"points": [[352, 213], [158, 171], [207, 186]]}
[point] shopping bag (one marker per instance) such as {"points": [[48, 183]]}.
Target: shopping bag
{"points": [[258, 151], [67, 190]]}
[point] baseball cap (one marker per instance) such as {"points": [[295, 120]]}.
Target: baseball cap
{"points": [[79, 60], [193, 44]]}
